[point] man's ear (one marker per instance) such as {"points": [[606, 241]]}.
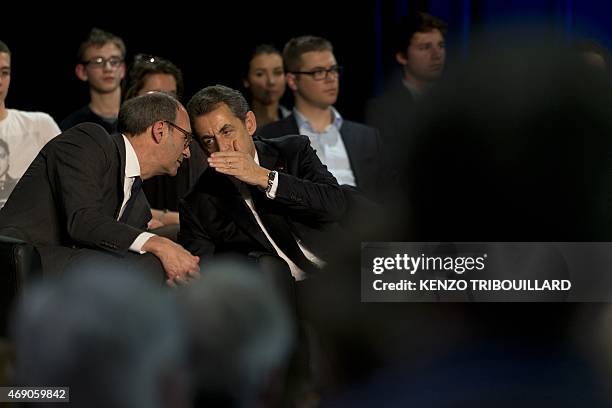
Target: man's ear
{"points": [[401, 58], [81, 72], [291, 81], [157, 131], [251, 123], [246, 84]]}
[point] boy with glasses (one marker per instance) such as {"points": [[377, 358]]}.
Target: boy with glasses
{"points": [[81, 202], [101, 65], [350, 150]]}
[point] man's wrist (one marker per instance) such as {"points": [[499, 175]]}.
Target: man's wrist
{"points": [[153, 245], [263, 179], [272, 185]]}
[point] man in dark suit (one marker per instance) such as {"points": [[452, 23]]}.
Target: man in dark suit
{"points": [[351, 151], [79, 200], [271, 196], [419, 49]]}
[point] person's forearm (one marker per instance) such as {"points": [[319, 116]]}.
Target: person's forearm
{"points": [[165, 217], [155, 245]]}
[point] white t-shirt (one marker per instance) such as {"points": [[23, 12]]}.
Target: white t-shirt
{"points": [[25, 133]]}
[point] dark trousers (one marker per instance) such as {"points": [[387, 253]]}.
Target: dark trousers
{"points": [[147, 265]]}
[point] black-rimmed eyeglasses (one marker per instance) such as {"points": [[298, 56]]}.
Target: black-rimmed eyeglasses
{"points": [[321, 73], [188, 135], [99, 62]]}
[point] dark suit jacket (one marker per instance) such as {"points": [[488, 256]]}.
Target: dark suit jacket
{"points": [[215, 218], [363, 146], [392, 114], [70, 197]]}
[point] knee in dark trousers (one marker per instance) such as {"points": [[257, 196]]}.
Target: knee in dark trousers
{"points": [[147, 264], [277, 271]]}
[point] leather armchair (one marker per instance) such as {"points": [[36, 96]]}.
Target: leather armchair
{"points": [[19, 263]]}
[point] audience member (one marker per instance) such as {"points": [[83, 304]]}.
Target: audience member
{"points": [[593, 54], [351, 151], [80, 200], [111, 336], [241, 334], [419, 49], [7, 183], [497, 160], [100, 64], [264, 79], [291, 199], [150, 73], [22, 134]]}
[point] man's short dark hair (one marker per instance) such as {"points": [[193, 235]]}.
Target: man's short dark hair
{"points": [[137, 114], [145, 65], [4, 48], [296, 47], [415, 23], [98, 38], [208, 99]]}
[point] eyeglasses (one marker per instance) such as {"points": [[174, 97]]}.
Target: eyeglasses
{"points": [[100, 62], [322, 73], [188, 135]]}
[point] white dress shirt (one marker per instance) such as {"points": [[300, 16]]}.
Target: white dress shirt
{"points": [[296, 271], [132, 170], [329, 146]]}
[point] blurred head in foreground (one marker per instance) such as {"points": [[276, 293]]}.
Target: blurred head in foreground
{"points": [[241, 333], [111, 336]]}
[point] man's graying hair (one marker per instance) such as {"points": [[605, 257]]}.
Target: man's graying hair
{"points": [[137, 114], [209, 99]]}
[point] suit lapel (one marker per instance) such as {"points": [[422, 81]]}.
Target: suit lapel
{"points": [[292, 126], [234, 206], [353, 150], [120, 146], [268, 157]]}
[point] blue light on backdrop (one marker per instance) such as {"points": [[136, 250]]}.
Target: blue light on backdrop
{"points": [[570, 18]]}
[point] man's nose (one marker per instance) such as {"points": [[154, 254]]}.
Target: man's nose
{"points": [[106, 66], [437, 53]]}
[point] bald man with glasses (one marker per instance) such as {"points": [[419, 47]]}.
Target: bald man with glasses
{"points": [[80, 201]]}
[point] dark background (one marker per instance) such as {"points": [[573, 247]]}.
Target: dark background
{"points": [[209, 41]]}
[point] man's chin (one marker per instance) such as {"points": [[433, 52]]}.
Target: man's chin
{"points": [[173, 171]]}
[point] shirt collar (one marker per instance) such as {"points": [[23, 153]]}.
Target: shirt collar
{"points": [[303, 122], [256, 157], [415, 92], [132, 167]]}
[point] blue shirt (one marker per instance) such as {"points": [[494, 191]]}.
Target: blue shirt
{"points": [[329, 146]]}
